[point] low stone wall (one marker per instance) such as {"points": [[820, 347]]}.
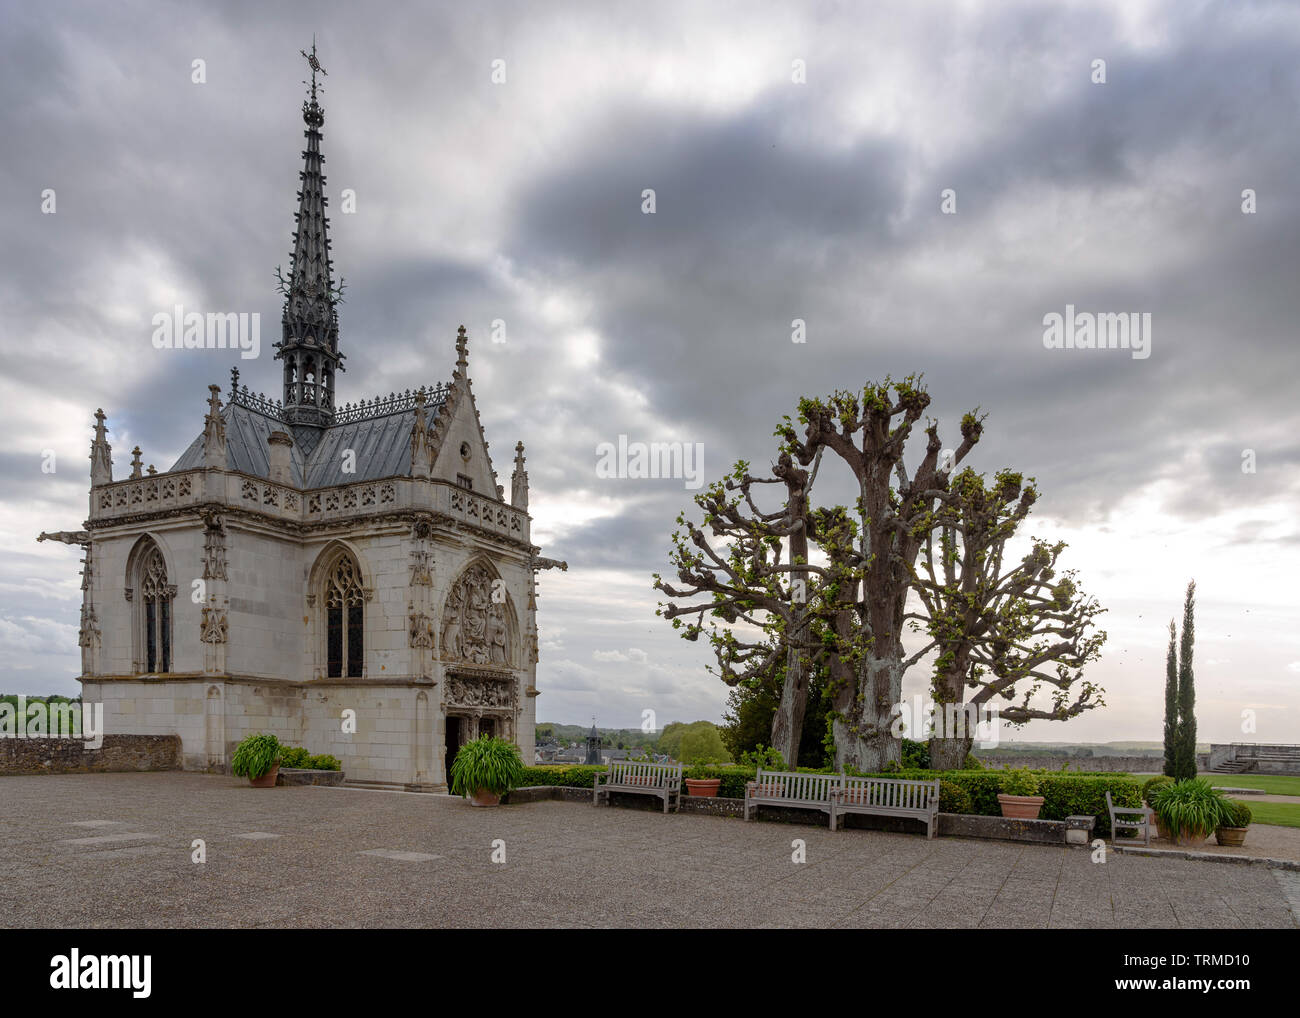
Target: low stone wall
{"points": [[71, 756], [1126, 764], [302, 776]]}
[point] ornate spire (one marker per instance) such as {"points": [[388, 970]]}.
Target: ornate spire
{"points": [[310, 344], [462, 352], [101, 453], [137, 464], [519, 480]]}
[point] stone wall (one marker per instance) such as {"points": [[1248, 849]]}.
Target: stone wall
{"points": [[70, 756]]}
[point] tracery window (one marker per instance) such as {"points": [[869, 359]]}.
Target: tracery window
{"points": [[344, 620], [156, 608]]}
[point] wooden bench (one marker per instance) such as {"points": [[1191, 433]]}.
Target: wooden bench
{"points": [[662, 780], [889, 797], [1118, 823], [785, 788]]}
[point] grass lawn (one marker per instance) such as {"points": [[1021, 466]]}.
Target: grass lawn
{"points": [[1275, 814], [1275, 784]]}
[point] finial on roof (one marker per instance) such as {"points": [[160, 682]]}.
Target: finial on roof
{"points": [[462, 350], [101, 453], [312, 112], [137, 467], [234, 382]]}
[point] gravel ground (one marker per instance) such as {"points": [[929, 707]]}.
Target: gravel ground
{"points": [[114, 850]]}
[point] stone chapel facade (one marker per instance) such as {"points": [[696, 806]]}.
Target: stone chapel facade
{"points": [[301, 560]]}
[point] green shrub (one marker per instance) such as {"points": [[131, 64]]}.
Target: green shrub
{"points": [[574, 776], [954, 799], [324, 762], [1019, 781], [1067, 795], [486, 763], [1151, 784], [1191, 807], [764, 757], [293, 756], [255, 756], [916, 755], [973, 764], [1237, 815]]}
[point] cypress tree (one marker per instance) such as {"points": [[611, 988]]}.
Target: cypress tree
{"points": [[1171, 703], [1185, 756]]}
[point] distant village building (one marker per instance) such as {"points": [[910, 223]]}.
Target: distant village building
{"points": [[303, 560]]}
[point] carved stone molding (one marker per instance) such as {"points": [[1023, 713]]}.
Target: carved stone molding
{"points": [[212, 627], [421, 627], [480, 691]]}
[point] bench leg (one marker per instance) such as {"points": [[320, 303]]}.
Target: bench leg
{"points": [[832, 818]]}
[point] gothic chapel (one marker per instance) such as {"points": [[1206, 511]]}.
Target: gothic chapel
{"points": [[356, 558]]}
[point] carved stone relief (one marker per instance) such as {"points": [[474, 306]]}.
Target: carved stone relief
{"points": [[474, 626]]}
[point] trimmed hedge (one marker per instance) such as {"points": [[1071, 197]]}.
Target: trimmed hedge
{"points": [[575, 776]]}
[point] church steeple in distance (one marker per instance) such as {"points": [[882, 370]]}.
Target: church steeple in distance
{"points": [[310, 343]]}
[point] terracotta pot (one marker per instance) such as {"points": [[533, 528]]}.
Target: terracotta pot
{"points": [[1161, 830], [1020, 807], [267, 780], [1191, 839], [707, 787], [482, 797], [1231, 837]]}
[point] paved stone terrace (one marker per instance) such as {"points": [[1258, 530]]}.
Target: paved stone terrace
{"points": [[106, 850]]}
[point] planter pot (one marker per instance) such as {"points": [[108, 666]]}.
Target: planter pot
{"points": [[267, 780], [1020, 807], [1191, 839], [707, 787], [1232, 837], [482, 797], [1162, 831]]}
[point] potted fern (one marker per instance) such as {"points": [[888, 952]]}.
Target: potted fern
{"points": [[258, 759], [1019, 797], [1190, 810], [1232, 831], [486, 769]]}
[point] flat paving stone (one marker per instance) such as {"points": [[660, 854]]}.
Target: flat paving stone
{"points": [[104, 839], [388, 853], [349, 858]]}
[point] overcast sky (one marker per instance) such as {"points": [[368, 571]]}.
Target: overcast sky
{"points": [[776, 199]]}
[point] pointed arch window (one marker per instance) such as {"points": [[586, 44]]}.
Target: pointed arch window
{"points": [[155, 612], [344, 620]]}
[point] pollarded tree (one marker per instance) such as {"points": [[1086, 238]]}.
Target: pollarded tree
{"points": [[1002, 633], [851, 616], [872, 547], [754, 604]]}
